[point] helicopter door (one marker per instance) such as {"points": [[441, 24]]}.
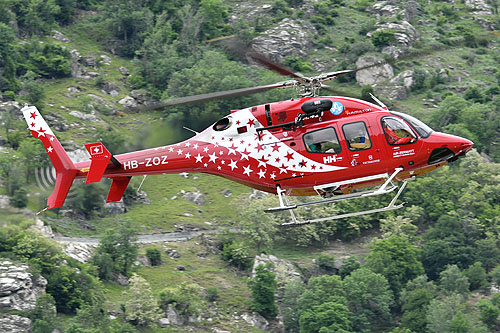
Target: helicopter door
{"points": [[401, 141], [361, 149]]}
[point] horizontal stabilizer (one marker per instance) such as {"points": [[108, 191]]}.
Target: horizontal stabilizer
{"points": [[100, 158], [118, 187]]}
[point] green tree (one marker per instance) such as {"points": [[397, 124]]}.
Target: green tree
{"points": [[396, 259], [453, 281], [495, 276], [323, 305], [120, 244], [488, 313], [259, 228], [43, 316], [476, 275], [326, 317], [349, 265], [369, 299], [415, 299], [263, 287], [397, 226], [290, 305], [140, 303]]}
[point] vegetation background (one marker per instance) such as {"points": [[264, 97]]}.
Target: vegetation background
{"points": [[430, 267]]}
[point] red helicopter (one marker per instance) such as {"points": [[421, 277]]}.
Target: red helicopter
{"points": [[328, 146]]}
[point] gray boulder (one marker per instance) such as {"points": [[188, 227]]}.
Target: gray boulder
{"points": [[195, 197], [19, 289], [81, 252], [372, 75], [256, 320], [59, 36], [285, 271]]}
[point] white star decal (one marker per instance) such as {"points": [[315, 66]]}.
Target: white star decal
{"points": [[179, 152], [231, 151], [50, 149], [273, 176], [243, 156], [171, 149], [247, 170], [282, 170], [262, 174], [205, 150], [188, 155], [205, 165], [195, 146], [199, 158], [223, 162], [188, 144], [233, 165], [213, 157], [219, 167], [51, 138]]}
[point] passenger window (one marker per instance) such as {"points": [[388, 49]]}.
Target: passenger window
{"points": [[356, 136], [397, 132], [323, 141]]}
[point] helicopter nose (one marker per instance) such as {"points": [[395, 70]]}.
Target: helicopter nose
{"points": [[449, 148]]}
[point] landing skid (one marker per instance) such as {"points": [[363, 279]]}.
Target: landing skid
{"points": [[383, 189]]}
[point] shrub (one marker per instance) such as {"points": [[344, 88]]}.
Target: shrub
{"points": [[212, 294], [237, 254], [326, 261], [154, 256], [382, 38]]}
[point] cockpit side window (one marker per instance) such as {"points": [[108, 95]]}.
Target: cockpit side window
{"points": [[397, 132], [222, 124], [356, 136], [323, 141]]}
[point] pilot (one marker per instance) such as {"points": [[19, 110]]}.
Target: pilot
{"points": [[315, 147], [361, 141], [395, 139]]}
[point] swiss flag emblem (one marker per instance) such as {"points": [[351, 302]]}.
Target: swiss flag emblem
{"points": [[96, 150]]}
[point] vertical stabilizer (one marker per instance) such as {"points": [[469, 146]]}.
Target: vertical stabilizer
{"points": [[65, 169]]}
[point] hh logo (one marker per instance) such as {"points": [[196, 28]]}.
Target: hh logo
{"points": [[95, 150]]}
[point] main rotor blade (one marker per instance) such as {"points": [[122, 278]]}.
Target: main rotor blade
{"points": [[263, 60], [216, 95]]}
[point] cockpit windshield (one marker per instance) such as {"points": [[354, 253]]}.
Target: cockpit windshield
{"points": [[422, 129]]}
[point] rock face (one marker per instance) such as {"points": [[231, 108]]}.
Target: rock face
{"points": [[18, 288], [14, 323], [372, 75], [288, 38], [81, 252], [284, 270]]}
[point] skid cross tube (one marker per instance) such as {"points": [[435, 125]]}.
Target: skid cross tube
{"points": [[285, 205]]}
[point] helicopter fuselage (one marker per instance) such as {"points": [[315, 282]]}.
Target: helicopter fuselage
{"points": [[265, 147]]}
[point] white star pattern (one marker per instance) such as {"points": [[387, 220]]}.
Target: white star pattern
{"points": [[179, 152], [188, 155], [233, 165], [213, 157], [262, 174], [50, 149], [199, 158], [247, 170]]}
